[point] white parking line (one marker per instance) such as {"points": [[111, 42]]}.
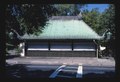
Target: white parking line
{"points": [[54, 74], [79, 71]]}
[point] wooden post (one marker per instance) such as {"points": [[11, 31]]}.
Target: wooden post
{"points": [[49, 45], [72, 45], [25, 48], [96, 47], [97, 51]]}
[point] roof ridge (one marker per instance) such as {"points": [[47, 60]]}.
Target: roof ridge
{"points": [[64, 18]]}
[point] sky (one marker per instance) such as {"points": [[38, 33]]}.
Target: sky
{"points": [[101, 7]]}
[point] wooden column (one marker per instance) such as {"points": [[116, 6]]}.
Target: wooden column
{"points": [[96, 46], [72, 45], [49, 45], [25, 48], [97, 50]]}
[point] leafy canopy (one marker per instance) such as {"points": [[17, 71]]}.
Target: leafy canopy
{"points": [[25, 18]]}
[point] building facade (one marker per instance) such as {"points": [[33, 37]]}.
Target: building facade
{"points": [[63, 36]]}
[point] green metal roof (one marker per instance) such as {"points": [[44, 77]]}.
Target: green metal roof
{"points": [[65, 29]]}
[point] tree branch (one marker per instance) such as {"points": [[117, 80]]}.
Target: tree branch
{"points": [[18, 36]]}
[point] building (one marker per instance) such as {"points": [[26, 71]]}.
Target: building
{"points": [[63, 36]]}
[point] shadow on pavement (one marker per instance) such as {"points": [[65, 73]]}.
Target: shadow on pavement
{"points": [[20, 71], [104, 75], [12, 56]]}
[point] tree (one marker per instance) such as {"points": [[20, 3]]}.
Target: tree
{"points": [[68, 9], [102, 23], [92, 18], [108, 20], [25, 18]]}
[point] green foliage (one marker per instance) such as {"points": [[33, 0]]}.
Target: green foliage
{"points": [[25, 18], [102, 22], [92, 18], [68, 9], [18, 50], [108, 20]]}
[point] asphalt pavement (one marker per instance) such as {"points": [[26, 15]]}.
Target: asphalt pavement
{"points": [[60, 67], [86, 61], [58, 71]]}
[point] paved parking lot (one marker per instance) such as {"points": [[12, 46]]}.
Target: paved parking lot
{"points": [[59, 71], [60, 67]]}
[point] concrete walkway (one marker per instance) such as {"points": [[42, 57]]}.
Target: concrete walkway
{"points": [[85, 61]]}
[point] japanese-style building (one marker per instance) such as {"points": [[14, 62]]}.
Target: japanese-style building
{"points": [[63, 36]]}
